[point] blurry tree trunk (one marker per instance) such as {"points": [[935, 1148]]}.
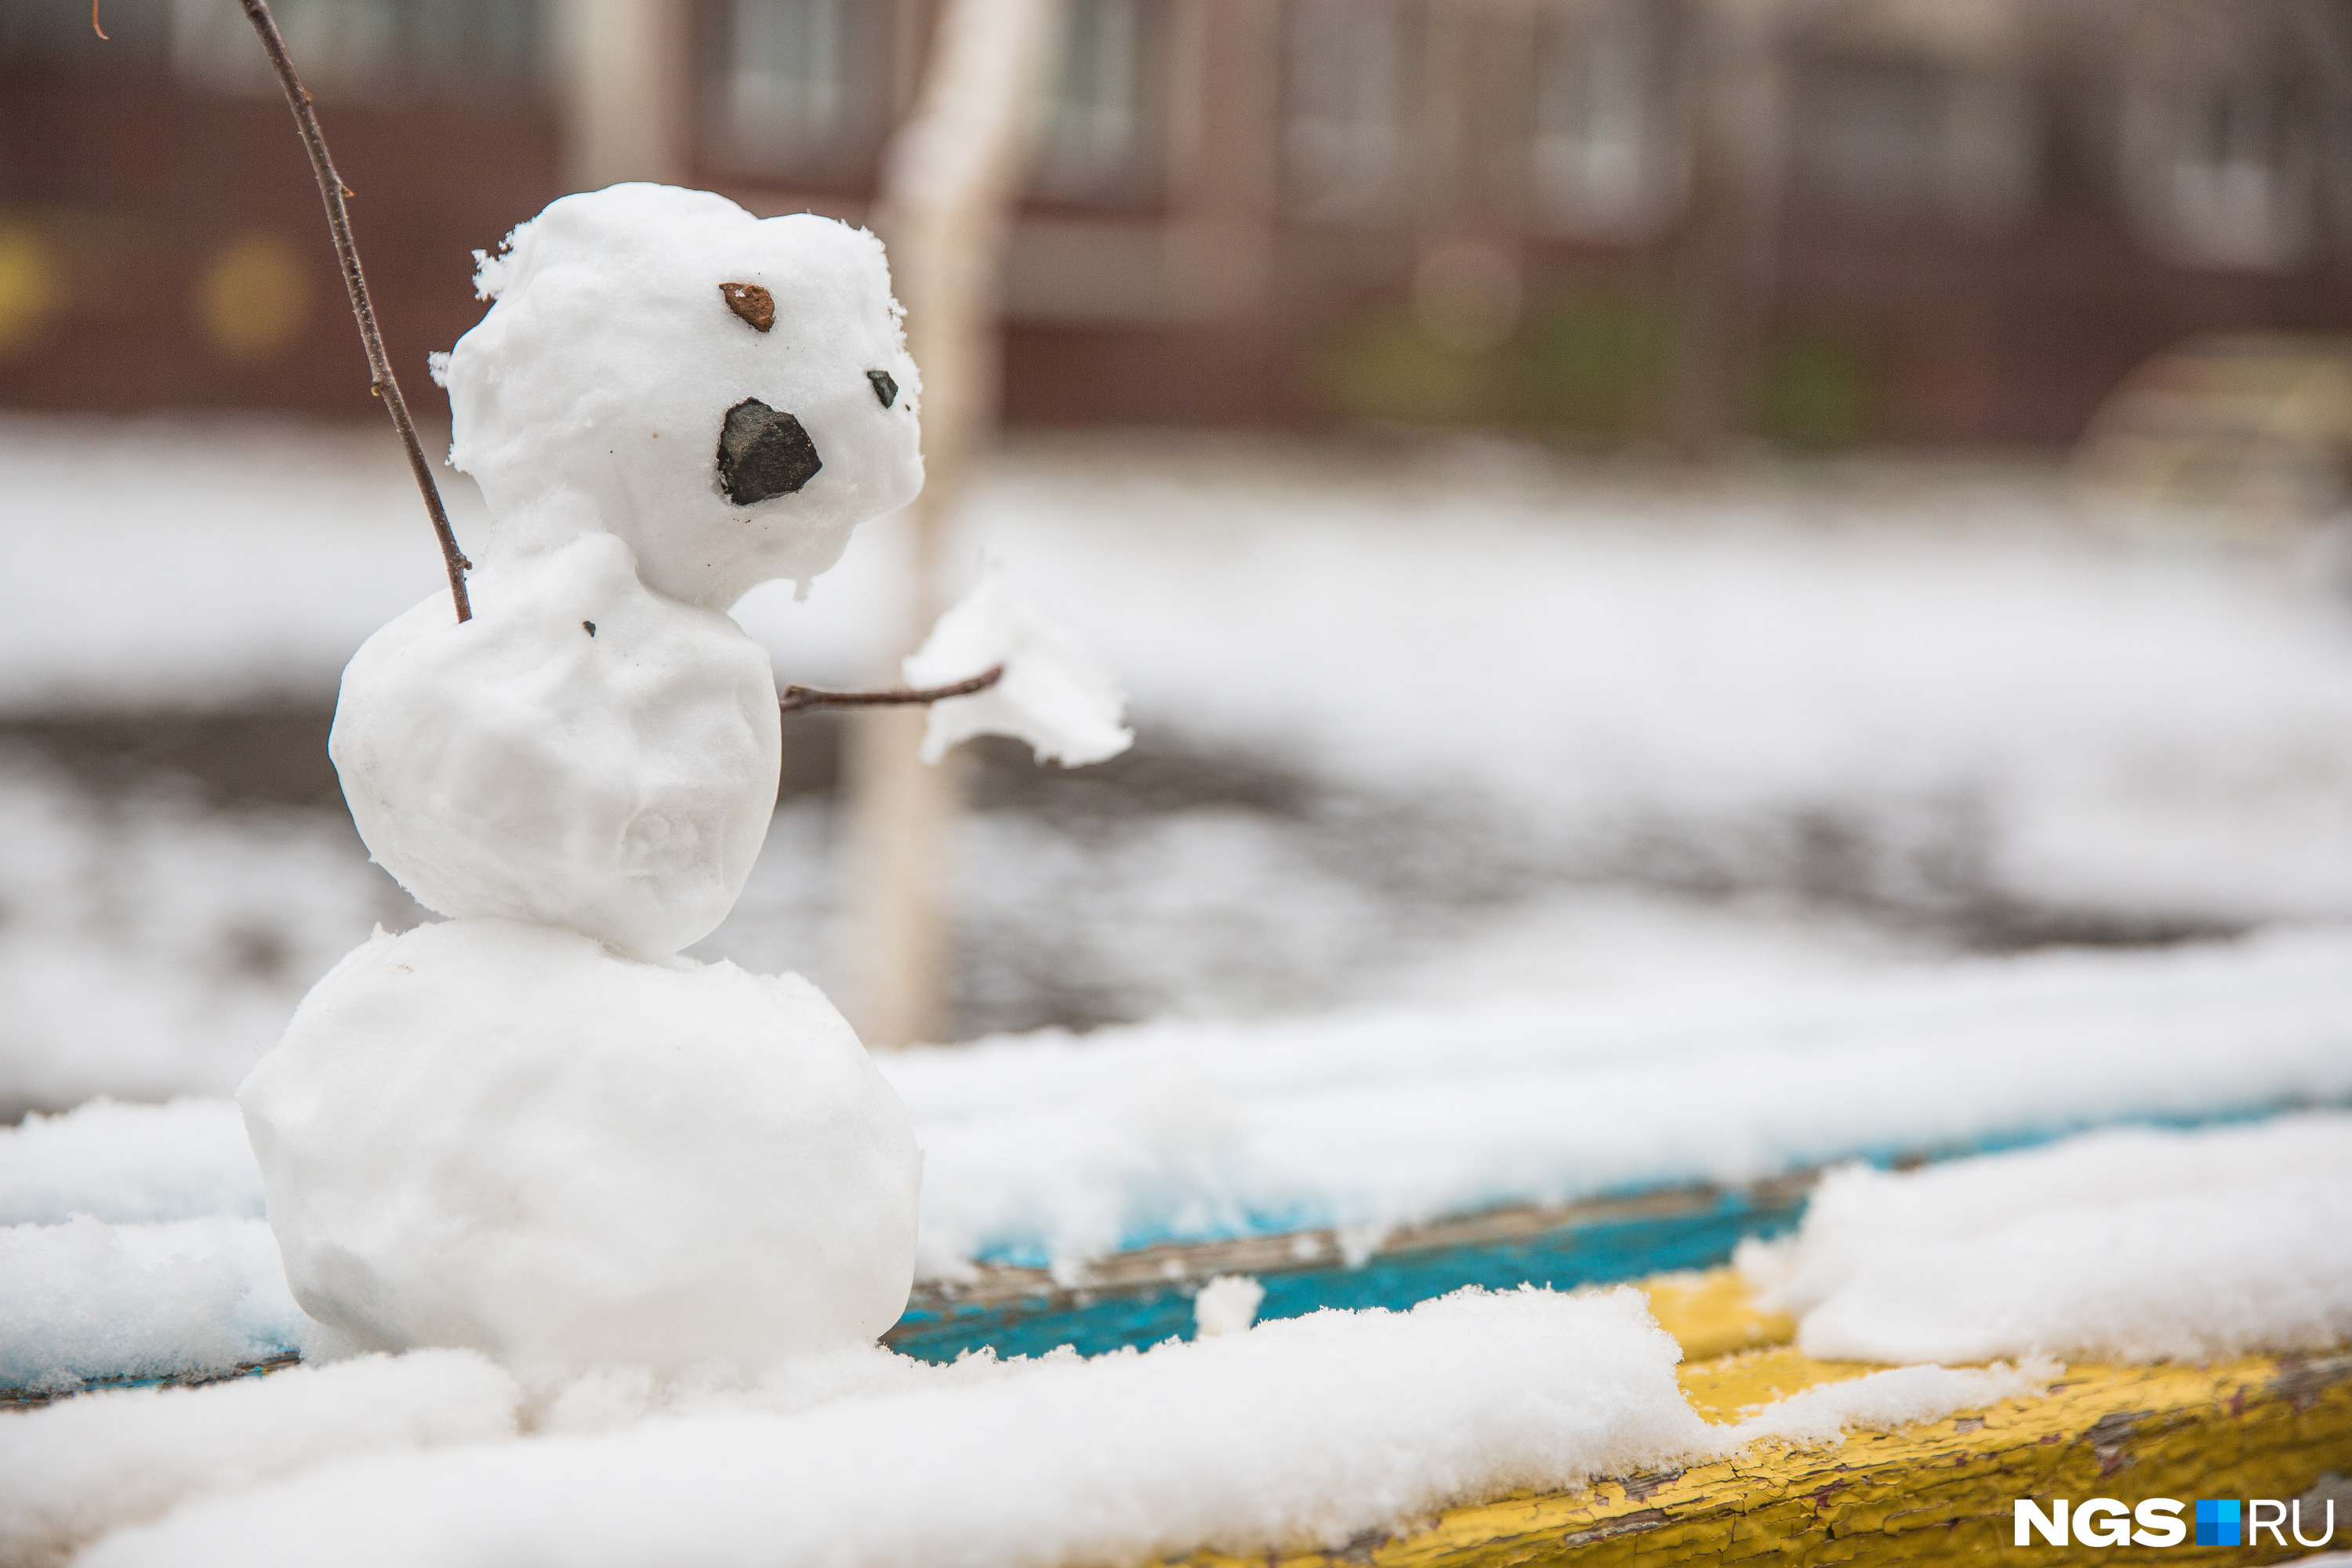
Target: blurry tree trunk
{"points": [[950, 182], [1723, 258], [623, 73]]}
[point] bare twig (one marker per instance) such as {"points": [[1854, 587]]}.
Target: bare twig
{"points": [[801, 698], [332, 191], [93, 22]]}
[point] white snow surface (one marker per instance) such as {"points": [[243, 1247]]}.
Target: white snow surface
{"points": [[1056, 693], [1885, 1401], [2118, 1246], [154, 947], [1306, 1431], [1894, 675], [593, 395], [1044, 1148], [582, 753], [487, 1135], [79, 1468], [2093, 718], [118, 1161], [88, 1300]]}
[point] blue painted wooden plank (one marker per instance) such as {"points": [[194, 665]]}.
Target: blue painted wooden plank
{"points": [[1598, 1250]]}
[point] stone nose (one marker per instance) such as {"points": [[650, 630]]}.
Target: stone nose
{"points": [[763, 453]]}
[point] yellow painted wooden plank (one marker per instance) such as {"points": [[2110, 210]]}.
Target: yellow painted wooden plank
{"points": [[1712, 1314], [2262, 1427]]}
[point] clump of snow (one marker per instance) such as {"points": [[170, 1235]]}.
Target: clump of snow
{"points": [[1884, 1401], [489, 1135], [1306, 1432], [1057, 694], [120, 1456], [88, 1300], [116, 1161], [2122, 1246], [582, 753], [594, 393], [1049, 1147], [1226, 1305]]}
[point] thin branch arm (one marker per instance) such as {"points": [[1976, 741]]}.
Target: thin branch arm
{"points": [[385, 385], [802, 698]]}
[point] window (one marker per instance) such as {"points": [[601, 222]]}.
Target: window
{"points": [[1347, 120], [1866, 135], [2219, 172], [362, 46], [1092, 142], [1606, 157], [799, 89], [1896, 138], [45, 36]]}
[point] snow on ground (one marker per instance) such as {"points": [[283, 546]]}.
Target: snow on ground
{"points": [[1310, 1431], [1947, 668], [168, 563], [1041, 1149], [150, 944], [84, 1298], [2145, 721], [82, 1467], [127, 1162], [2129, 1245], [1412, 729]]}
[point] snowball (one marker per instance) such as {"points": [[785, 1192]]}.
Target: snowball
{"points": [[86, 1299], [597, 391], [2122, 1245], [116, 1161], [84, 1465], [495, 1136], [582, 753], [1226, 1305], [1056, 693], [1310, 1431]]}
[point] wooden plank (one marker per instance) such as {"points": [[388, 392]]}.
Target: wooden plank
{"points": [[1146, 1295], [33, 1398], [2267, 1427]]}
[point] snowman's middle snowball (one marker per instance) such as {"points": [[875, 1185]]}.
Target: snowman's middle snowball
{"points": [[582, 753]]}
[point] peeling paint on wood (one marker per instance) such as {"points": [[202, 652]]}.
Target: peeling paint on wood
{"points": [[2262, 1426]]}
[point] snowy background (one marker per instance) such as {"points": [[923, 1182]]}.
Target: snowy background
{"points": [[1419, 726]]}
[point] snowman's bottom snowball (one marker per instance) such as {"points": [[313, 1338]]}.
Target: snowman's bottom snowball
{"points": [[495, 1136]]}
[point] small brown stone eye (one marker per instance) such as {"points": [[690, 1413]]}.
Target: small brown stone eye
{"points": [[885, 388], [751, 303]]}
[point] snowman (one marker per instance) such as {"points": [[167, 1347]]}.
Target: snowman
{"points": [[533, 1128]]}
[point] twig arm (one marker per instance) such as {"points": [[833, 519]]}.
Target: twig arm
{"points": [[385, 384], [802, 698]]}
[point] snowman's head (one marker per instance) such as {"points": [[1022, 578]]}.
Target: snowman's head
{"points": [[730, 394]]}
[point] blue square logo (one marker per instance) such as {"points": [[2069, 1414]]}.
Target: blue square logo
{"points": [[2217, 1521]]}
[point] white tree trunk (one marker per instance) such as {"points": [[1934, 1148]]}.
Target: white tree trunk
{"points": [[950, 182]]}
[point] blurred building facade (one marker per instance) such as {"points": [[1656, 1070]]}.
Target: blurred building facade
{"points": [[1938, 221]]}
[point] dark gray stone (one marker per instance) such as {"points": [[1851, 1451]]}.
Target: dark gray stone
{"points": [[764, 454], [885, 388]]}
